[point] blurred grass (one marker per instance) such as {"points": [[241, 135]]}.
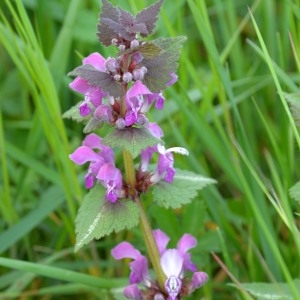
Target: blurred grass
{"points": [[228, 109]]}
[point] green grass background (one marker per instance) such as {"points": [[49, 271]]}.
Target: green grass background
{"points": [[228, 108]]}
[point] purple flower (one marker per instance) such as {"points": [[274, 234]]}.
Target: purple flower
{"points": [[174, 263], [139, 267], [92, 95], [101, 167]]}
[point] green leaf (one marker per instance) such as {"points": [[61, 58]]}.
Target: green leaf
{"points": [[97, 217], [278, 291], [160, 67], [181, 191], [132, 139], [295, 191], [92, 125], [293, 100], [73, 113]]}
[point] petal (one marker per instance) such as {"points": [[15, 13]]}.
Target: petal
{"points": [[186, 243], [84, 109], [161, 240], [171, 262], [132, 292], [93, 141], [79, 85], [109, 172], [174, 78], [89, 180], [139, 270], [173, 287], [138, 88], [125, 250], [96, 60], [83, 154], [199, 279], [155, 130]]}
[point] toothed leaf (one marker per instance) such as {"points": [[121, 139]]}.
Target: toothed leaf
{"points": [[105, 34], [181, 191], [148, 17], [92, 125], [97, 217], [160, 67], [73, 113], [295, 191], [99, 79], [134, 140]]}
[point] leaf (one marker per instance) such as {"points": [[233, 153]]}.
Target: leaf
{"points": [[295, 191], [97, 217], [116, 23], [73, 113], [92, 125], [147, 49], [98, 79], [105, 34], [160, 67], [294, 102], [181, 191], [278, 291], [132, 139], [148, 16]]}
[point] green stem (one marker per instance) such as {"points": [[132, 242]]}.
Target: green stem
{"points": [[146, 229], [151, 246]]}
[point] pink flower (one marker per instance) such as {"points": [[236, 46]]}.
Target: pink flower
{"points": [[92, 95], [101, 167], [174, 263]]}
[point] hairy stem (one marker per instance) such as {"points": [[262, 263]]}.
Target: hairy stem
{"points": [[146, 228], [151, 246]]}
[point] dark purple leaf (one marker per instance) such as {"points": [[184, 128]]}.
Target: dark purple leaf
{"points": [[99, 79], [148, 16], [105, 33], [118, 29]]}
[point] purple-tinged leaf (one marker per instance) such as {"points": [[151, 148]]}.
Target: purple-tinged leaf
{"points": [[159, 68], [100, 79], [147, 49], [106, 34], [117, 28], [148, 16], [92, 125], [134, 140], [97, 217]]}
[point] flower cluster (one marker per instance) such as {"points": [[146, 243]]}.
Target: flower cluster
{"points": [[119, 92], [174, 262]]}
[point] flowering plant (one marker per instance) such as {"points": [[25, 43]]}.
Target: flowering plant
{"points": [[119, 91]]}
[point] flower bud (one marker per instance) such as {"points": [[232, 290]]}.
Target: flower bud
{"points": [[114, 42], [138, 74], [122, 47], [111, 65], [120, 123], [127, 77], [134, 44], [117, 77]]}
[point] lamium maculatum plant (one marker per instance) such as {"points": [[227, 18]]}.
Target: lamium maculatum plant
{"points": [[118, 92]]}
